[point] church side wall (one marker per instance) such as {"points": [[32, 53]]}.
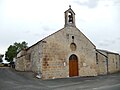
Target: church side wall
{"points": [[23, 62], [19, 64], [113, 63], [101, 62], [35, 57]]}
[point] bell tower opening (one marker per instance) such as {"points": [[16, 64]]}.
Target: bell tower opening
{"points": [[69, 17]]}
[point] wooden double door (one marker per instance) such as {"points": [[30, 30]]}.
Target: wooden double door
{"points": [[73, 65]]}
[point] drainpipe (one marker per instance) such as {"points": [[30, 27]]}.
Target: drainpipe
{"points": [[119, 62], [107, 63]]}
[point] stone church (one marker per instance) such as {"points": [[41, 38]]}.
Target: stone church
{"points": [[65, 53]]}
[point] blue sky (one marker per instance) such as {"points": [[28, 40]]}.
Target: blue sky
{"points": [[32, 20]]}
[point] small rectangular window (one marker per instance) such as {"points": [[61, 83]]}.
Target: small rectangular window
{"points": [[72, 37]]}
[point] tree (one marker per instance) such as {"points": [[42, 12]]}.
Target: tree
{"points": [[1, 56], [1, 60], [14, 49]]}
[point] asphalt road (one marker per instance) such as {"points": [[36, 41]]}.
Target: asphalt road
{"points": [[13, 80]]}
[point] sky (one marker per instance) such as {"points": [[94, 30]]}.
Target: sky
{"points": [[32, 20]]}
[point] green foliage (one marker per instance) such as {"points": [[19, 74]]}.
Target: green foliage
{"points": [[14, 49], [1, 60], [1, 56]]}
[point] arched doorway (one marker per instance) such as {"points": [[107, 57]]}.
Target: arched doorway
{"points": [[73, 65]]}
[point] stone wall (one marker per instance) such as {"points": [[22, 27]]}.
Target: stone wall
{"points": [[101, 61], [36, 57], [57, 50], [23, 61], [113, 63], [23, 64]]}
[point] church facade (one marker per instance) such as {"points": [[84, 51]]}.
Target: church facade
{"points": [[65, 53]]}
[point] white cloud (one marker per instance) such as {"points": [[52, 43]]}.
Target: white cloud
{"points": [[32, 20], [88, 3]]}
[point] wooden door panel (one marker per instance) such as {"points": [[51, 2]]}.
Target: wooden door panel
{"points": [[73, 66]]}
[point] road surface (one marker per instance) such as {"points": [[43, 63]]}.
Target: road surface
{"points": [[13, 80]]}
